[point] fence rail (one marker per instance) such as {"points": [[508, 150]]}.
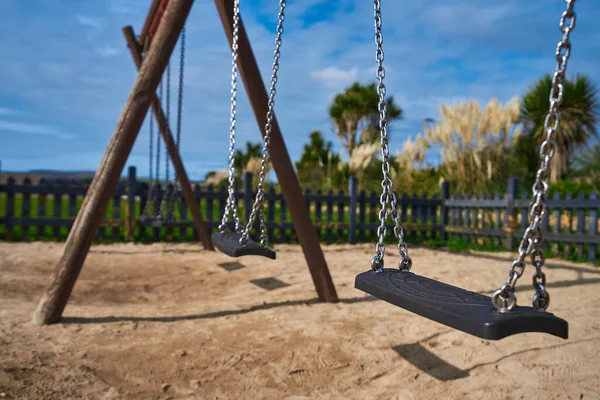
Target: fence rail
{"points": [[47, 211]]}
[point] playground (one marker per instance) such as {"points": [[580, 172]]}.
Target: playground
{"points": [[267, 279], [176, 322]]}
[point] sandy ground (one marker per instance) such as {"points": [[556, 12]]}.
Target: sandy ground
{"points": [[176, 322]]}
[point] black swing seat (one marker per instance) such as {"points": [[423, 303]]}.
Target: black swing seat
{"points": [[229, 243], [458, 308]]}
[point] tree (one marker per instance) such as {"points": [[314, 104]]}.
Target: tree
{"points": [[317, 162], [579, 114], [355, 115], [587, 165]]}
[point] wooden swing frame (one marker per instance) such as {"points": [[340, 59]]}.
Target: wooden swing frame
{"points": [[159, 35]]}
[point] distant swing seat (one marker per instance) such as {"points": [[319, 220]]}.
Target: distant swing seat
{"points": [[229, 243]]}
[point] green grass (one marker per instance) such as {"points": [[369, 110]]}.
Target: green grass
{"points": [[117, 233]]}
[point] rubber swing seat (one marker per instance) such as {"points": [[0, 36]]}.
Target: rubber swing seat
{"points": [[469, 312], [229, 243]]}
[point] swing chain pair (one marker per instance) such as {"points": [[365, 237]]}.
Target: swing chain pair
{"points": [[388, 198], [504, 298], [259, 204], [230, 205]]}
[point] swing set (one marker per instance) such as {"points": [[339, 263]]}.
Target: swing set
{"points": [[491, 318], [151, 53]]}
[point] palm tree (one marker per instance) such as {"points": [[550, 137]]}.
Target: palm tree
{"points": [[587, 164], [242, 158], [355, 115], [579, 115]]}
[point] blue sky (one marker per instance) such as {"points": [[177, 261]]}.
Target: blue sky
{"points": [[65, 72]]}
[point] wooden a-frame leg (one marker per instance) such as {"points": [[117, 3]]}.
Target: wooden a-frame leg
{"points": [[165, 131], [79, 241]]}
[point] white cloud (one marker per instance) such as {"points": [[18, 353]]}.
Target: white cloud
{"points": [[334, 77], [33, 129], [90, 22]]}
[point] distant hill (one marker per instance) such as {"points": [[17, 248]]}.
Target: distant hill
{"points": [[54, 175]]}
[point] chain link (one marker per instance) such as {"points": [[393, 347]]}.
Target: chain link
{"points": [[259, 204], [167, 198], [231, 204], [168, 112], [150, 164], [157, 212], [504, 299], [388, 197], [180, 92]]}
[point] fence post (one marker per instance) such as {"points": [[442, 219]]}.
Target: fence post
{"points": [[444, 196], [131, 191], [248, 199], [10, 208], [353, 192], [592, 247], [511, 214]]}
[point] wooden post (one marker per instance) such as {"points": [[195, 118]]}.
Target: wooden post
{"points": [[510, 216], [56, 296], [131, 191], [10, 208], [248, 195], [445, 195], [592, 247], [165, 131], [353, 192], [290, 187]]}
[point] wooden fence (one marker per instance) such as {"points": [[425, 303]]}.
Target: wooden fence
{"points": [[47, 211]]}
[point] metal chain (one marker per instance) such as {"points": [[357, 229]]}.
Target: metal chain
{"points": [[259, 202], [175, 183], [180, 93], [160, 100], [150, 162], [504, 298], [388, 197], [168, 112], [231, 204], [166, 199]]}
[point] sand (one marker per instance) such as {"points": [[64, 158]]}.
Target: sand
{"points": [[176, 322]]}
